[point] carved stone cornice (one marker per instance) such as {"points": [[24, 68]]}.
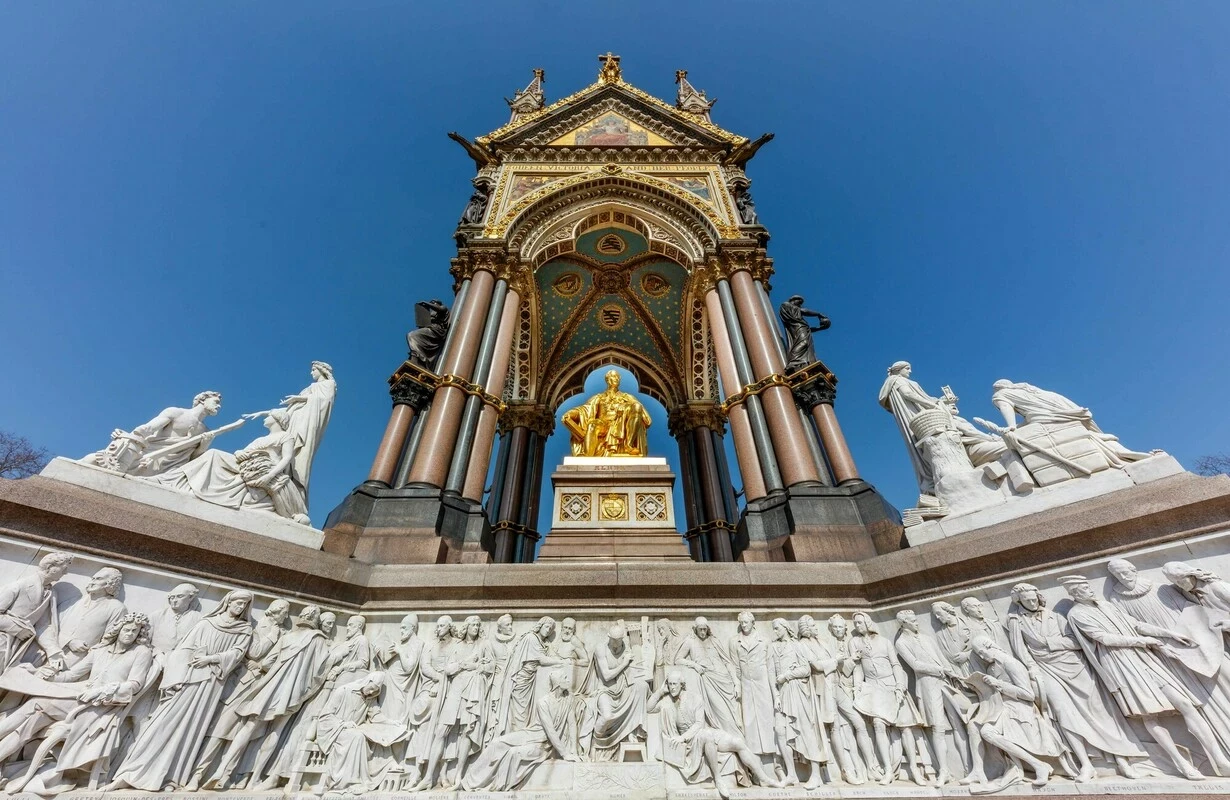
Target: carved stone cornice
{"points": [[538, 418], [413, 386], [813, 385], [736, 257], [683, 419]]}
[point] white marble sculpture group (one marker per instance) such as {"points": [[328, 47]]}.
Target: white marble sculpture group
{"points": [[962, 468], [1135, 681], [269, 475]]}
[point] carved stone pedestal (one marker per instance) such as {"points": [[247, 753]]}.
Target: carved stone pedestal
{"points": [[613, 509]]}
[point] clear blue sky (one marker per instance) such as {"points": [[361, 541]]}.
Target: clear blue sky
{"points": [[211, 195]]}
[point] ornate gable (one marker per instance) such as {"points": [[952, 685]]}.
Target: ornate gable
{"points": [[610, 113]]}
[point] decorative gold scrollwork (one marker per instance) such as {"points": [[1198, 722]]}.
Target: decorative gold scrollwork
{"points": [[753, 389], [474, 390]]}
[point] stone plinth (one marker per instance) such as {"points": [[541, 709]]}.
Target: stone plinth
{"points": [[1045, 498], [151, 494], [608, 509]]}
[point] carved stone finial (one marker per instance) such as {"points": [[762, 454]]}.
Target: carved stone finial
{"points": [[529, 100], [610, 72], [689, 100]]}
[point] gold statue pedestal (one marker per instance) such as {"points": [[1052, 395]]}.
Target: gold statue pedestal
{"points": [[613, 509]]}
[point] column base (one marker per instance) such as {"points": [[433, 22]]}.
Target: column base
{"points": [[849, 522], [763, 533], [464, 530], [816, 523], [388, 526]]}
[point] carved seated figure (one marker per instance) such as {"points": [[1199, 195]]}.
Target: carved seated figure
{"points": [[1059, 439], [697, 750], [115, 672], [611, 423]]}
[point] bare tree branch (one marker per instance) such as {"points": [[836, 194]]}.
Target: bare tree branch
{"points": [[18, 457], [1213, 465]]}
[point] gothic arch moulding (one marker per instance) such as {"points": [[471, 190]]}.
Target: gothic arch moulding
{"points": [[570, 381], [699, 228]]}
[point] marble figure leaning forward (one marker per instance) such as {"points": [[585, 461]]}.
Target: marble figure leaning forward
{"points": [[271, 473], [169, 440]]}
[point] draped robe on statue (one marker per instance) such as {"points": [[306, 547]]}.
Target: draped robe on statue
{"points": [[905, 399], [167, 747], [1075, 698], [223, 478], [714, 687], [620, 701], [307, 422], [507, 761], [609, 423]]}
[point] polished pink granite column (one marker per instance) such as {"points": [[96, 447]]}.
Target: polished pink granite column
{"points": [[435, 451], [484, 435], [785, 428], [740, 428]]}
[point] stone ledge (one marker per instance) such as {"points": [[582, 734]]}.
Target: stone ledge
{"points": [[57, 514], [60, 514]]}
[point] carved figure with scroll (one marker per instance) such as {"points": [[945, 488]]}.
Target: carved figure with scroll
{"points": [[1008, 718], [697, 750], [507, 761], [612, 423], [350, 730], [799, 348], [114, 673]]}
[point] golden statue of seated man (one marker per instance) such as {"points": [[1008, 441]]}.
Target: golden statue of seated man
{"points": [[612, 423]]}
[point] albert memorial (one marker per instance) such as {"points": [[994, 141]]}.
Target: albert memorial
{"points": [[743, 617]]}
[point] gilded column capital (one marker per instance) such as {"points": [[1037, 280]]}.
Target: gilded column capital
{"points": [[751, 259], [705, 276], [493, 258], [813, 385], [534, 416], [413, 386], [520, 278], [686, 418]]}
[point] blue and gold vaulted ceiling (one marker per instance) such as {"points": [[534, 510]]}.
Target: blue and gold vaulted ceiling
{"points": [[611, 292]]}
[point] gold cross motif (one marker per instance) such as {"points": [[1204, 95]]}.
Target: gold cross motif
{"points": [[610, 72]]}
